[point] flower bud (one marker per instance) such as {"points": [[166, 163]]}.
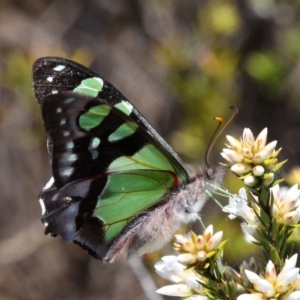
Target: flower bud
{"points": [[268, 179], [186, 258], [201, 256], [241, 169], [251, 181], [258, 170]]}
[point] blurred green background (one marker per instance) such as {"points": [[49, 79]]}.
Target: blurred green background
{"points": [[181, 63]]}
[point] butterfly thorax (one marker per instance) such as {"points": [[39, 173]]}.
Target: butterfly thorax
{"points": [[189, 200]]}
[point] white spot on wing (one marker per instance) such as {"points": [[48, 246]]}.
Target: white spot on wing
{"points": [[69, 145], [59, 110], [62, 122], [54, 92], [67, 172], [42, 204], [59, 68], [95, 154], [50, 78], [69, 100], [95, 142], [49, 184], [72, 157], [66, 133]]}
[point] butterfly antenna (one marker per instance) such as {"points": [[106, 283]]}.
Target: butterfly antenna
{"points": [[218, 131]]}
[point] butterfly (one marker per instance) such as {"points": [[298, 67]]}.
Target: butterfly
{"points": [[117, 188]]}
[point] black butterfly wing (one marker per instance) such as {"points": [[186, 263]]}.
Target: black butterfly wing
{"points": [[52, 75], [107, 171]]}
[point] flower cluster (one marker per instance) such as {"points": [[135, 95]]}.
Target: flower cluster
{"points": [[187, 281], [198, 249], [197, 253], [269, 215], [284, 286], [286, 208], [251, 159]]}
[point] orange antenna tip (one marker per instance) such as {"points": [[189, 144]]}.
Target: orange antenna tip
{"points": [[218, 131], [218, 119]]}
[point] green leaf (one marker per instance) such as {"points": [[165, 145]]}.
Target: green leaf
{"points": [[279, 165]]}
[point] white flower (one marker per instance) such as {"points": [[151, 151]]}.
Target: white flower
{"points": [[251, 297], [238, 207], [187, 281], [291, 296], [176, 290], [194, 250], [274, 285], [250, 233], [287, 275], [197, 297], [251, 266], [197, 248], [251, 158], [286, 208], [169, 269], [191, 289]]}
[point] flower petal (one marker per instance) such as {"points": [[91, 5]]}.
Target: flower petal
{"points": [[251, 297], [248, 136], [291, 296], [271, 273], [176, 290], [261, 140], [214, 242], [258, 170], [232, 155], [251, 181], [186, 258], [234, 143], [260, 284], [197, 297], [265, 153], [241, 169]]}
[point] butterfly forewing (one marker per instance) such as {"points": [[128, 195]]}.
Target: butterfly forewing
{"points": [[52, 75], [91, 137]]}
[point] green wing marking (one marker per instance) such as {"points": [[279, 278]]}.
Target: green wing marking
{"points": [[124, 107], [127, 194], [94, 116], [122, 132], [149, 157], [90, 86]]}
